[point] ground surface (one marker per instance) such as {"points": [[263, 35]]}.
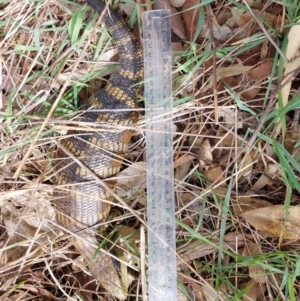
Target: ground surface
{"points": [[236, 148]]}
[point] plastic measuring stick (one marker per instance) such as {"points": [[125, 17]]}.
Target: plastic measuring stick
{"points": [[162, 280]]}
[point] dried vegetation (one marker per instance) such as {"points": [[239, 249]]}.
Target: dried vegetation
{"points": [[236, 148]]}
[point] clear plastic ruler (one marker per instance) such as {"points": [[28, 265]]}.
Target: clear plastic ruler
{"points": [[162, 283]]}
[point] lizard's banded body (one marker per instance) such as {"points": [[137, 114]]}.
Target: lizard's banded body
{"points": [[83, 203]]}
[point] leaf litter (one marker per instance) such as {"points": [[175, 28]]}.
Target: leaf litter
{"points": [[236, 149]]}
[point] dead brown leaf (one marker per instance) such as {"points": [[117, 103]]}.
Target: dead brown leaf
{"points": [[209, 293], [130, 232], [132, 180], [261, 71], [190, 17], [246, 166], [206, 151], [177, 25], [198, 249], [213, 173], [256, 272], [276, 221], [228, 72], [292, 64], [254, 290], [245, 204]]}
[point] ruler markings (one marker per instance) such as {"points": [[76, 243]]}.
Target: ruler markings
{"points": [[159, 153]]}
